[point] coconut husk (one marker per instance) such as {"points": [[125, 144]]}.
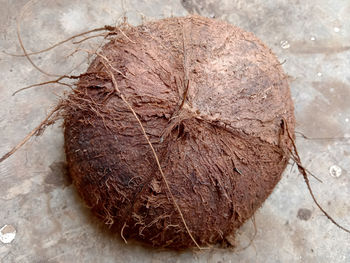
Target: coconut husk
{"points": [[213, 102]]}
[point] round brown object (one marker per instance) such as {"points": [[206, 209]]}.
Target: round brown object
{"points": [[214, 103]]}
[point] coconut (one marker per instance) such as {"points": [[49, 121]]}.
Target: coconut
{"points": [[213, 103]]}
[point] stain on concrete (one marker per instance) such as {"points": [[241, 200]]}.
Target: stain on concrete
{"points": [[299, 242], [193, 6], [58, 176], [326, 47], [304, 214]]}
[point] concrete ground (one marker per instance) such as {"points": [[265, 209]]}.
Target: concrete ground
{"points": [[41, 216]]}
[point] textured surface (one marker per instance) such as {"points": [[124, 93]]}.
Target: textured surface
{"points": [[40, 203], [221, 148]]}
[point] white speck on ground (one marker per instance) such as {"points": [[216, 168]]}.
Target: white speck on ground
{"points": [[284, 44], [335, 171], [7, 234]]}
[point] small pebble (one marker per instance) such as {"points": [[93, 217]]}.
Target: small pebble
{"points": [[347, 120], [313, 38], [336, 29], [7, 234], [319, 74], [335, 171]]}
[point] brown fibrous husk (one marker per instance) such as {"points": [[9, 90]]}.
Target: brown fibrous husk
{"points": [[214, 103]]}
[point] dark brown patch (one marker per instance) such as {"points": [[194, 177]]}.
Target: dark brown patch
{"points": [[58, 177], [304, 214]]}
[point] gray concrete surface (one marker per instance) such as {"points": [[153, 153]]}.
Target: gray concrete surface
{"points": [[38, 202]]}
